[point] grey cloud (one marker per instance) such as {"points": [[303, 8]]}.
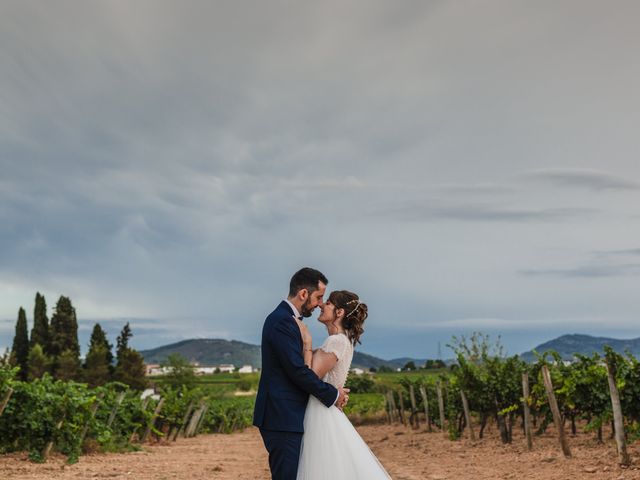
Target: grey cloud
{"points": [[585, 178], [484, 213], [588, 271]]}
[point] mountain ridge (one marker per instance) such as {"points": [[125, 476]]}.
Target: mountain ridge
{"points": [[214, 351]]}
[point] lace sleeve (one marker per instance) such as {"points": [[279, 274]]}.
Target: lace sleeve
{"points": [[336, 344]]}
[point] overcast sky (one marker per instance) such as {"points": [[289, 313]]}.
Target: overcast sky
{"points": [[463, 166]]}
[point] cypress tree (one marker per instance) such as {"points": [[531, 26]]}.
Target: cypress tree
{"points": [[20, 349], [98, 364], [40, 332], [130, 367], [65, 348], [99, 338]]}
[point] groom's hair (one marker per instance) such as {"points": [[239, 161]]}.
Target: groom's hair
{"points": [[306, 278]]}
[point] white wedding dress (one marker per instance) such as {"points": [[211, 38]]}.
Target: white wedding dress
{"points": [[331, 448]]}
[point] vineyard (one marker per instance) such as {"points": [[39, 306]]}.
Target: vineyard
{"points": [[483, 391], [42, 414], [483, 386]]}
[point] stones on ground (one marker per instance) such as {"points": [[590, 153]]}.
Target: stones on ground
{"points": [[590, 469]]}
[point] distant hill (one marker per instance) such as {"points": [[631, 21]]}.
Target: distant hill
{"points": [[216, 351], [207, 351], [568, 345]]}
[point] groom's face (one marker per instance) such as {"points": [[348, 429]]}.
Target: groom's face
{"points": [[314, 299]]}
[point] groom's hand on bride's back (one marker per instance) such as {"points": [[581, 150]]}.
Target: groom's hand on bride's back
{"points": [[343, 397]]}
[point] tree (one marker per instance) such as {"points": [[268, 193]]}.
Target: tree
{"points": [[99, 338], [39, 363], [40, 332], [180, 371], [123, 340], [130, 368], [64, 338], [67, 366], [20, 349], [409, 366], [97, 369]]}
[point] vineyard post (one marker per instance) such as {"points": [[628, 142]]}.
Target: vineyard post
{"points": [[440, 405], [414, 409], [401, 407], [5, 400], [553, 404], [194, 421], [112, 416], [425, 401], [387, 405], [47, 449], [623, 456], [201, 420], [94, 409], [184, 419], [156, 412], [527, 413], [467, 414], [392, 402]]}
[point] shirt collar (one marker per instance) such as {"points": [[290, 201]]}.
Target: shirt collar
{"points": [[296, 313]]}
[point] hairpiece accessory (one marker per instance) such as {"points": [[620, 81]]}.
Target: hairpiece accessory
{"points": [[351, 312]]}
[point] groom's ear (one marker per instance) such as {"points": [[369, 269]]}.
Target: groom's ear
{"points": [[303, 294]]}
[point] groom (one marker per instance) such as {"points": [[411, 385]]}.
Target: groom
{"points": [[286, 382]]}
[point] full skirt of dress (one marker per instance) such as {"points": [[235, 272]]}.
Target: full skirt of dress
{"points": [[332, 449]]}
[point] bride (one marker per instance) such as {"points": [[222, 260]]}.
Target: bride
{"points": [[331, 448]]}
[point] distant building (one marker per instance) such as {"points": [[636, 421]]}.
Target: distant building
{"points": [[245, 369], [357, 371]]}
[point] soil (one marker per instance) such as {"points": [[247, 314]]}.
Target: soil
{"points": [[405, 453]]}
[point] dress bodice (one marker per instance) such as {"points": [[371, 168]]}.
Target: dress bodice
{"points": [[340, 345]]}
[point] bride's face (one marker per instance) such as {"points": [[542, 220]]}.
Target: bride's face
{"points": [[329, 314]]}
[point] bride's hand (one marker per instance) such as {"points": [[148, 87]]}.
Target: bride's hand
{"points": [[306, 335]]}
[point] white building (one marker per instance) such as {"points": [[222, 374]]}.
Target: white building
{"points": [[245, 369]]}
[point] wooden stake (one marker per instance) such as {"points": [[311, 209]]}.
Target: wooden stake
{"points": [[47, 449], [392, 402], [467, 414], [184, 420], [527, 413], [425, 401], [401, 407], [414, 409], [94, 409], [618, 421], [5, 400], [387, 407], [112, 416], [553, 404], [201, 421], [156, 412], [440, 405]]}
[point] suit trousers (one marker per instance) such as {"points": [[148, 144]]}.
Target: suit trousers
{"points": [[284, 453]]}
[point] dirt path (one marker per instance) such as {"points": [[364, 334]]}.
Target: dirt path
{"points": [[406, 455]]}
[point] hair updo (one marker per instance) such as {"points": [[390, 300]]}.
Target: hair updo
{"points": [[355, 313]]}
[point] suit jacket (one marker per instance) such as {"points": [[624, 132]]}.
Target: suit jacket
{"points": [[286, 382]]}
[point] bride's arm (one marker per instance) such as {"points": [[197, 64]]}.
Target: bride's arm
{"points": [[322, 362]]}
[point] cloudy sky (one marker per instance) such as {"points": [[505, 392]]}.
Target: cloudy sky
{"points": [[463, 166]]}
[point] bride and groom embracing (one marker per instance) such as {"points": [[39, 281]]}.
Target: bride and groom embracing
{"points": [[301, 392]]}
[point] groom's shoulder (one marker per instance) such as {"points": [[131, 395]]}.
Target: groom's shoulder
{"points": [[281, 311]]}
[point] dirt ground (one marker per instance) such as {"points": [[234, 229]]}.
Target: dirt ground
{"points": [[406, 454]]}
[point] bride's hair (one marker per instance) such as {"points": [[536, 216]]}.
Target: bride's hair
{"points": [[355, 314]]}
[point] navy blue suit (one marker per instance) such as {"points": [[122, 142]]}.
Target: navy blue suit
{"points": [[284, 389]]}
